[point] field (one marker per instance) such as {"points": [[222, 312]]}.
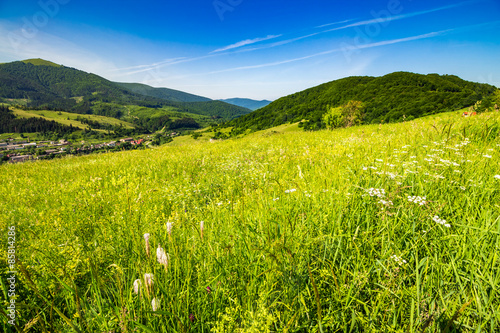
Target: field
{"points": [[62, 117], [379, 228]]}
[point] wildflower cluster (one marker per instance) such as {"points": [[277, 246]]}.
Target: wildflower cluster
{"points": [[418, 200], [400, 261], [387, 203], [441, 221], [376, 192]]}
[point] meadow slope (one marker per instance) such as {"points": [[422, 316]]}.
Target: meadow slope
{"points": [[379, 228]]}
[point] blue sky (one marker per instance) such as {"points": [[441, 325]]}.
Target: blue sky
{"points": [[253, 48]]}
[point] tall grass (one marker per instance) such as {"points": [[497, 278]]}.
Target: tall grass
{"points": [[301, 232]]}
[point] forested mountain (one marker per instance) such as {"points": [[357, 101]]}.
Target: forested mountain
{"points": [[44, 85], [163, 93], [215, 109], [247, 103], [61, 88], [389, 98]]}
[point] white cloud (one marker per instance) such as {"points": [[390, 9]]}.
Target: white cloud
{"points": [[245, 42], [329, 24], [362, 46], [397, 17]]}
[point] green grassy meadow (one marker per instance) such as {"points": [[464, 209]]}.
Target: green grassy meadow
{"points": [[62, 117], [378, 228]]}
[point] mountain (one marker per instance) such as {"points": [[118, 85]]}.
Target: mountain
{"points": [[163, 93], [41, 84], [247, 103], [390, 98]]}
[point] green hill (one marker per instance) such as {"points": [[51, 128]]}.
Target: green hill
{"points": [[389, 98], [40, 84], [162, 93], [215, 109], [61, 88]]}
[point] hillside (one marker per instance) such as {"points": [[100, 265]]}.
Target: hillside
{"points": [[62, 88], [162, 93], [247, 103], [389, 98], [215, 109], [40, 84]]}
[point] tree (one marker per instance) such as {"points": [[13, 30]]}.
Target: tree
{"points": [[352, 113], [347, 115], [333, 117]]}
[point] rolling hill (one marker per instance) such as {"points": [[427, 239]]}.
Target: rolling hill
{"points": [[247, 103], [390, 98], [40, 84]]}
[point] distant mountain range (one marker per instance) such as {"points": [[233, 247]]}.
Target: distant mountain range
{"points": [[390, 98], [41, 84], [247, 103]]}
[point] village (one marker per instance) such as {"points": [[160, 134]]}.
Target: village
{"points": [[15, 151]]}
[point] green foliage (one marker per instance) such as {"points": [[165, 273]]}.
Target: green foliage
{"points": [[350, 114], [386, 99], [162, 93], [10, 124], [333, 118], [184, 123], [160, 139], [216, 109]]}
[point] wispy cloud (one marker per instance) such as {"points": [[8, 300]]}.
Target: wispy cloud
{"points": [[334, 23], [364, 46], [357, 24], [398, 17], [151, 66], [245, 42]]}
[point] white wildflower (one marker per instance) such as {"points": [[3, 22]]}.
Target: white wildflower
{"points": [[155, 304], [148, 282], [137, 286], [387, 203], [441, 221], [376, 192], [400, 261], [169, 228], [146, 238], [418, 200], [161, 256], [496, 176]]}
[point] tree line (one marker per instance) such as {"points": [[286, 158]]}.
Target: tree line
{"points": [[10, 124]]}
